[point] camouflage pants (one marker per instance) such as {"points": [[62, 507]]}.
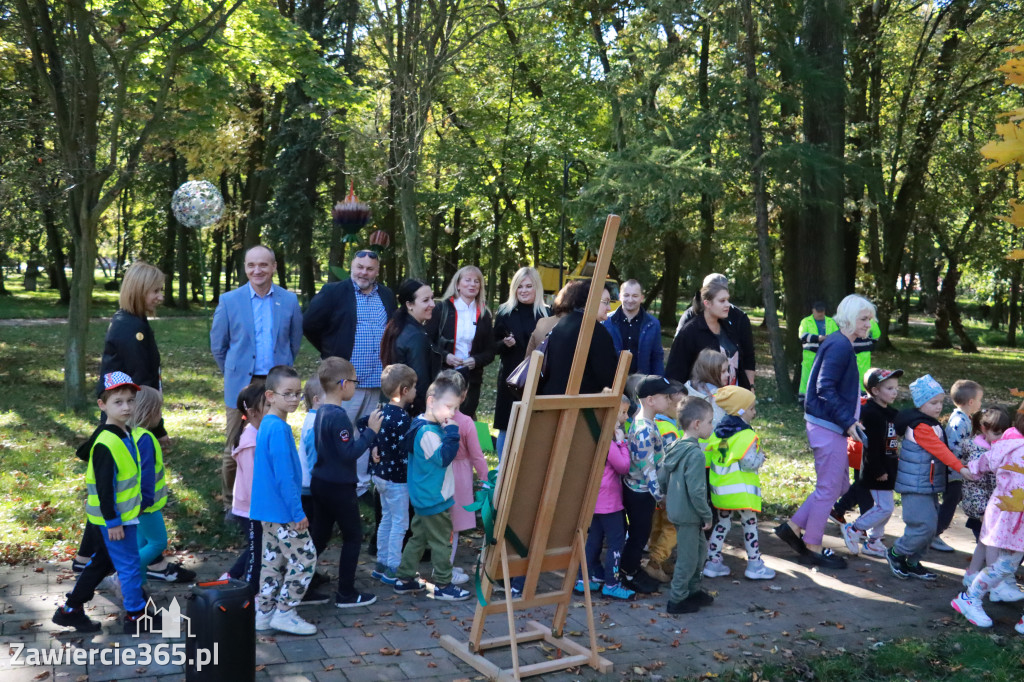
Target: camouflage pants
{"points": [[289, 560]]}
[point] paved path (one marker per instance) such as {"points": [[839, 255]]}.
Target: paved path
{"points": [[801, 612]]}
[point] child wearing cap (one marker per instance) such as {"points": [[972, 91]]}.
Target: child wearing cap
{"points": [[921, 476], [735, 459], [878, 465], [640, 490], [113, 504]]}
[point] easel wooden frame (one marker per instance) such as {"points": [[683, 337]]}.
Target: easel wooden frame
{"points": [[571, 422]]}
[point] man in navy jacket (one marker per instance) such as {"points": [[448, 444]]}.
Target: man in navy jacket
{"points": [[634, 329]]}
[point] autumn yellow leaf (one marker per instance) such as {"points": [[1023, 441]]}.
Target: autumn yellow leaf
{"points": [[1013, 502], [1017, 215], [1010, 149], [1013, 467]]}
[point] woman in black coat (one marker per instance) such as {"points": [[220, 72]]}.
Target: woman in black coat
{"points": [[712, 329], [514, 323], [599, 371], [462, 332], [406, 340]]}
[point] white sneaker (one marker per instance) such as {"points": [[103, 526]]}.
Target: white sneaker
{"points": [[873, 548], [1006, 591], [971, 610], [1019, 627], [459, 576], [756, 570], [939, 545], [715, 569], [291, 622], [852, 537], [263, 620]]}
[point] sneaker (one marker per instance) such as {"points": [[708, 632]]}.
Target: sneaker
{"points": [[357, 599], [826, 558], [873, 548], [618, 592], [450, 592], [1006, 592], [789, 536], [390, 576], [656, 572], [1019, 627], [263, 620], [756, 570], [837, 516], [314, 597], [916, 570], [459, 576], [852, 537], [702, 598], [641, 583], [173, 573], [78, 566], [716, 568], [971, 610], [292, 623], [968, 578], [499, 589], [75, 618], [378, 572], [318, 580], [939, 545], [408, 586], [685, 606], [897, 564], [594, 587]]}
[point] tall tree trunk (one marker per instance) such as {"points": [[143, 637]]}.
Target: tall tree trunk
{"points": [[674, 250], [705, 257], [1015, 282], [183, 273], [949, 313], [58, 274], [753, 97], [170, 230]]}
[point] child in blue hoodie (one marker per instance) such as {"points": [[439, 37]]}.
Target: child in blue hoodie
{"points": [[435, 442]]}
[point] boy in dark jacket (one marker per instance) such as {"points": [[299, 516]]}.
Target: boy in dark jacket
{"points": [[879, 463], [682, 478], [921, 476], [335, 476]]}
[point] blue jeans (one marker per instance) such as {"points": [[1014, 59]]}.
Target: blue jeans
{"points": [[152, 538], [121, 556], [394, 521]]}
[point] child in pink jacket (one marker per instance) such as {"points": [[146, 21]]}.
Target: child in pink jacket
{"points": [[1002, 530], [469, 458], [608, 526]]}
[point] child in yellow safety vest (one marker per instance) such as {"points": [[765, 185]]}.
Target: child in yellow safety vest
{"points": [[735, 456], [663, 534]]}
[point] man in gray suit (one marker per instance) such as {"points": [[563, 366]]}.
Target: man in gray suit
{"points": [[255, 327]]}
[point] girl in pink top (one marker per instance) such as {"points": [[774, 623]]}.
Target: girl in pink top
{"points": [[247, 566], [1002, 530], [469, 458], [608, 526]]}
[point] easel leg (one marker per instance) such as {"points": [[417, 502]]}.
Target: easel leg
{"points": [[581, 548], [509, 610]]}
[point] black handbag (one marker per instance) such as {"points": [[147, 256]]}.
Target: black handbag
{"points": [[516, 379]]}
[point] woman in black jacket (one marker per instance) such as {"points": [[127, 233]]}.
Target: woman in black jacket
{"points": [[599, 371], [713, 329], [513, 324], [462, 332], [406, 340]]}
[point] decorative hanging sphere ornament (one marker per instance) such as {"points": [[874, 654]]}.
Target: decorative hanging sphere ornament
{"points": [[351, 215], [197, 203]]}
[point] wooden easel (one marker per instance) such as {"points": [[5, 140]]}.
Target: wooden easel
{"points": [[546, 494]]}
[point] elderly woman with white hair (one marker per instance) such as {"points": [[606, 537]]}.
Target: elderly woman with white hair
{"points": [[831, 413]]}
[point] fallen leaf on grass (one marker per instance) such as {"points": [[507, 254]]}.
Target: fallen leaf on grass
{"points": [[720, 657]]}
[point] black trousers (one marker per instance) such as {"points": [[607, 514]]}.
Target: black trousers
{"points": [[336, 503], [247, 565], [639, 514], [856, 495]]}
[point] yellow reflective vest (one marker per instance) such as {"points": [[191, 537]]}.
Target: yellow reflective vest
{"points": [[127, 488], [159, 479], [732, 487]]}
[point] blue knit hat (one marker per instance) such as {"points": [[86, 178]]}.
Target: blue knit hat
{"points": [[924, 389]]}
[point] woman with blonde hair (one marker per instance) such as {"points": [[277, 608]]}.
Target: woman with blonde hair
{"points": [[514, 323], [461, 332]]}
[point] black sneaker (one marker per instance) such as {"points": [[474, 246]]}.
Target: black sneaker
{"points": [[897, 564], [641, 583], [916, 570], [75, 618], [357, 599], [826, 558], [785, 533], [837, 516], [314, 597], [173, 573], [410, 586], [702, 598], [319, 580], [686, 606]]}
